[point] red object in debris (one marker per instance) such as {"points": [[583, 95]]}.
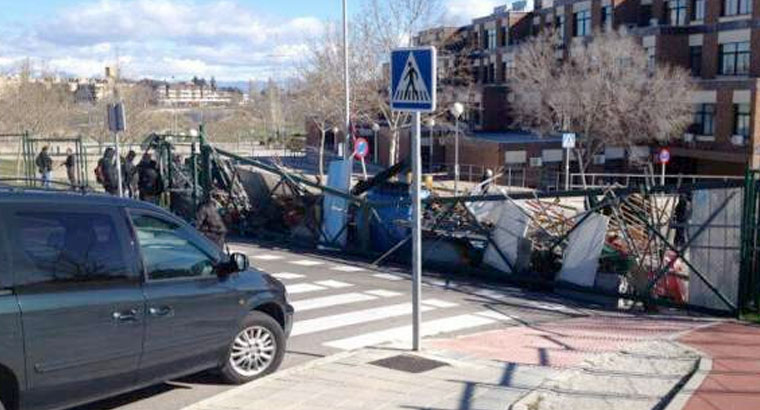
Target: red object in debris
{"points": [[673, 285]]}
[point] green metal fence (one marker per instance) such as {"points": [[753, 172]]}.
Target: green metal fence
{"points": [[750, 249]]}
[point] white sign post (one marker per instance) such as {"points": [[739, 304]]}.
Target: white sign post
{"points": [[568, 143], [117, 122], [413, 89]]}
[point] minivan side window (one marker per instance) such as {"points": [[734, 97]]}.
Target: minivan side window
{"points": [[53, 248], [168, 251]]}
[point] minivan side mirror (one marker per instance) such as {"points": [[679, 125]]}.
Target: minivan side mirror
{"points": [[240, 262], [237, 262]]}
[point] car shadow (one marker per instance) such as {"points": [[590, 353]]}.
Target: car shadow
{"points": [[184, 383]]}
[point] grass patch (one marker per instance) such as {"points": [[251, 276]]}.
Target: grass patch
{"points": [[752, 318], [7, 168]]}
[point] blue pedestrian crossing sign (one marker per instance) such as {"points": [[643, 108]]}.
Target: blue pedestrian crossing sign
{"points": [[413, 79]]}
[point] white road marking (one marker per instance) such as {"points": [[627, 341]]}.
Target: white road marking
{"points": [[329, 301], [492, 314], [335, 284], [303, 288], [383, 293], [267, 257], [404, 333], [344, 268], [438, 303], [353, 318], [306, 262], [386, 276], [288, 276]]}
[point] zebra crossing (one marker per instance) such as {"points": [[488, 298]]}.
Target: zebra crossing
{"points": [[344, 307]]}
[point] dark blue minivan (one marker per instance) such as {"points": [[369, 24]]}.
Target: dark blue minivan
{"points": [[100, 296]]}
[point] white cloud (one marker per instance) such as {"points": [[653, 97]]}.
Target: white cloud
{"points": [[163, 38], [463, 11]]}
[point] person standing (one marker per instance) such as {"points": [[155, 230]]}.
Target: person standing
{"points": [[70, 165], [210, 223], [106, 172], [149, 180], [45, 166], [130, 174]]}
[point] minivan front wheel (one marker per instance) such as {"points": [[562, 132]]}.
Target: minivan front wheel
{"points": [[256, 350]]}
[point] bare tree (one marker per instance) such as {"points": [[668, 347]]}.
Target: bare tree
{"points": [[33, 105], [604, 92], [383, 26], [319, 92]]}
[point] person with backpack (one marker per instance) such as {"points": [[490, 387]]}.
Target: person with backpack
{"points": [[149, 181], [45, 166], [106, 173]]}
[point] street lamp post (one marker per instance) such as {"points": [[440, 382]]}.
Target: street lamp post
{"points": [[375, 130], [347, 83], [457, 109], [335, 132], [430, 123]]}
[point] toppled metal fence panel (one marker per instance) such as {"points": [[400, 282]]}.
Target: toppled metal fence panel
{"points": [[581, 259], [716, 251], [335, 207], [509, 231]]}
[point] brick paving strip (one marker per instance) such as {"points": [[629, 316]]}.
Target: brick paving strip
{"points": [[732, 382], [589, 363]]}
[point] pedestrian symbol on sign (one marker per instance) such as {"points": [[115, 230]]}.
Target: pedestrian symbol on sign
{"points": [[413, 79], [412, 87]]}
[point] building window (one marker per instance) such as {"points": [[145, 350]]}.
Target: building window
{"points": [[491, 38], [504, 36], [741, 119], [509, 69], [695, 60], [704, 120], [492, 73], [737, 7], [677, 12], [645, 15], [582, 23], [607, 17], [734, 58], [651, 58], [561, 27], [698, 10]]}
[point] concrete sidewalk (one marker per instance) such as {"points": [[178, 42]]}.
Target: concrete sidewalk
{"points": [[589, 363]]}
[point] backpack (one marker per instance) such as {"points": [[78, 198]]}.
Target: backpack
{"points": [[99, 174]]}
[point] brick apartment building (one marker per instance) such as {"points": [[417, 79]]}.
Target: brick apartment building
{"points": [[717, 40]]}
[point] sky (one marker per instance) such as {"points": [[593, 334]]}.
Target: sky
{"points": [[175, 39]]}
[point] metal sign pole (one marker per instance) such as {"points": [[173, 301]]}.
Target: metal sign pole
{"points": [[416, 233], [118, 163], [567, 169]]}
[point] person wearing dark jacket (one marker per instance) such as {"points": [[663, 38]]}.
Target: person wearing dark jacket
{"points": [[210, 223], [149, 180], [129, 171], [70, 165], [45, 166], [106, 172]]}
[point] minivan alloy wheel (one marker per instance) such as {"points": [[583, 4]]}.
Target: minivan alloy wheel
{"points": [[253, 351]]}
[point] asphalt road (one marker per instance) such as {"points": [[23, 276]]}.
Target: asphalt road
{"points": [[343, 306]]}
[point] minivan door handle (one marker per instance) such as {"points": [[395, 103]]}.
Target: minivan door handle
{"points": [[127, 316], [163, 311]]}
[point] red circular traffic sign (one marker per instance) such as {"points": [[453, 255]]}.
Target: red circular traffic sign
{"points": [[664, 156], [361, 148]]}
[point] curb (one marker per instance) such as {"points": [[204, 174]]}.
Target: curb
{"points": [[678, 402], [212, 401]]}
